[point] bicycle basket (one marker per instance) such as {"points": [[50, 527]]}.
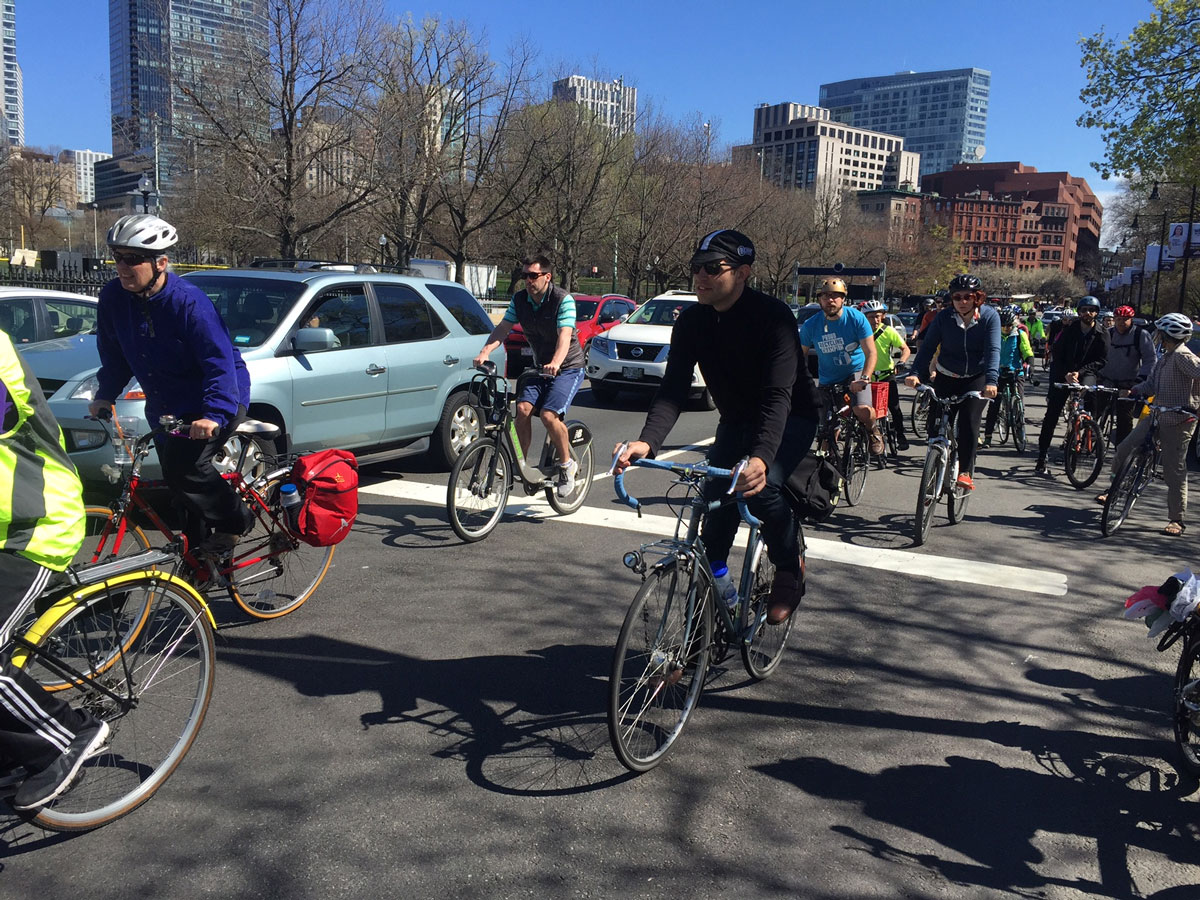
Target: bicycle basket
{"points": [[489, 396]]}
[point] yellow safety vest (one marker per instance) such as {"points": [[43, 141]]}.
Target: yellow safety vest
{"points": [[41, 499]]}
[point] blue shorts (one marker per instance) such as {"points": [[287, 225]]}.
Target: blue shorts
{"points": [[553, 394]]}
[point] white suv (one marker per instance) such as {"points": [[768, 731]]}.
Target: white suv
{"points": [[633, 355]]}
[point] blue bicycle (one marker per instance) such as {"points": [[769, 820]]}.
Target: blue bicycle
{"points": [[676, 625]]}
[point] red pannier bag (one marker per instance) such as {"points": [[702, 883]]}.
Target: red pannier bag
{"points": [[328, 482]]}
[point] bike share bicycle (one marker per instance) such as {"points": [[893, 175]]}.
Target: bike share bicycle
{"points": [[270, 573], [132, 643], [1084, 445], [939, 477], [1135, 473], [483, 474], [677, 625]]}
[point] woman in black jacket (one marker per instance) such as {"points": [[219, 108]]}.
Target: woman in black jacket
{"points": [[1078, 356]]}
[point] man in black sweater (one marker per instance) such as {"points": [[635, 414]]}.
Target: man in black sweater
{"points": [[748, 350], [1078, 355]]}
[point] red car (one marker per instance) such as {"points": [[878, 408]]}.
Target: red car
{"points": [[593, 315]]}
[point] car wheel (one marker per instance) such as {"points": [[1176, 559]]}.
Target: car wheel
{"points": [[458, 427], [603, 393], [258, 457]]}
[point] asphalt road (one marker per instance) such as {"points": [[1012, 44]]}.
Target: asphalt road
{"points": [[972, 718]]}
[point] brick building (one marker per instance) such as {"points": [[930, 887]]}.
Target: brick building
{"points": [[899, 211], [1011, 215]]}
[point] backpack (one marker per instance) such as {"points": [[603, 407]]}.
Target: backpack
{"points": [[328, 482], [814, 488]]}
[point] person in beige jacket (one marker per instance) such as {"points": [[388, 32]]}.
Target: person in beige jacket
{"points": [[1174, 381]]}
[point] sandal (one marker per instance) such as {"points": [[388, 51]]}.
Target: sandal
{"points": [[1175, 529]]}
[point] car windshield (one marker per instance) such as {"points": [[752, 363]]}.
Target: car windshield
{"points": [[660, 311], [251, 307], [585, 309], [804, 313], [908, 318]]}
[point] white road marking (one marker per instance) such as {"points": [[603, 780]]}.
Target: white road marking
{"points": [[919, 565], [690, 448]]}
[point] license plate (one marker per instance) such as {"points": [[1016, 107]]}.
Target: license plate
{"points": [[527, 351], [633, 373]]}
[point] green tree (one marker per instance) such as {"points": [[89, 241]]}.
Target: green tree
{"points": [[1144, 94]]}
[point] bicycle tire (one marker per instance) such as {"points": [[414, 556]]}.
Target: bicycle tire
{"points": [[1123, 494], [288, 570], [919, 416], [583, 482], [928, 493], [1083, 457], [1017, 413], [956, 503], [163, 680], [99, 541], [656, 681], [475, 507], [1186, 713], [856, 463], [762, 654], [1002, 421]]}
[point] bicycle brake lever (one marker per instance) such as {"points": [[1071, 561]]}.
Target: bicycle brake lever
{"points": [[737, 473], [616, 456]]}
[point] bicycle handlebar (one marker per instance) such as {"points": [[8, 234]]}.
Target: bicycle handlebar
{"points": [[1085, 387], [951, 401], [689, 470]]}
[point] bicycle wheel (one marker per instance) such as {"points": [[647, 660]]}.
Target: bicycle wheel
{"points": [[762, 654], [100, 538], [1084, 454], [928, 493], [856, 462], [1187, 702], [1016, 412], [152, 692], [272, 573], [956, 503], [1002, 421], [1122, 494], [658, 668], [919, 417], [583, 482], [478, 490]]}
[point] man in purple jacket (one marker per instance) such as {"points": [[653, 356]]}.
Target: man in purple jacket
{"points": [[156, 327]]}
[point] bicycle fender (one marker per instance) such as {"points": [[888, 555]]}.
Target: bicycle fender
{"points": [[69, 601]]}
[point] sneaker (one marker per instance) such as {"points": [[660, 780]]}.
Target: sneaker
{"points": [[964, 481], [1040, 468], [785, 596], [566, 478], [986, 443], [40, 788], [902, 442]]}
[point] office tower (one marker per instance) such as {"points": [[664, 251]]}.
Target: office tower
{"points": [[941, 115], [613, 101], [84, 162], [14, 95]]}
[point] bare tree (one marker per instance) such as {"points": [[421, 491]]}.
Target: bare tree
{"points": [[33, 182], [287, 135]]}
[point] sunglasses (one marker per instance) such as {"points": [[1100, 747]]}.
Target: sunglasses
{"points": [[716, 267], [129, 259], [533, 276], [1089, 312]]}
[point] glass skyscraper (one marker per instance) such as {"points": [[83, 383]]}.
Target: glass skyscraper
{"points": [[155, 43], [941, 115], [14, 100]]}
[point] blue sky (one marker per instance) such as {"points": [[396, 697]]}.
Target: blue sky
{"points": [[715, 59]]}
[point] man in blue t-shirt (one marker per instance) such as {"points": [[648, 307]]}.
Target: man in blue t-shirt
{"points": [[845, 346]]}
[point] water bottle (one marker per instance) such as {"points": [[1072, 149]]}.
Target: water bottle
{"points": [[726, 589], [289, 499]]}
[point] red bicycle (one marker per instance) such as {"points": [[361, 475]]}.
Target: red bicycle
{"points": [[270, 572]]}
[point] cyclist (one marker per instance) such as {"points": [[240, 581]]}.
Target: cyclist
{"points": [[153, 325], [41, 528], [547, 314], [1173, 381], [745, 344], [887, 339], [841, 339], [930, 306], [1015, 354], [1131, 356], [1107, 321], [967, 340], [1079, 353]]}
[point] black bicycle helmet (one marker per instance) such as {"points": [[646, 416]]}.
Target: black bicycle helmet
{"points": [[1007, 318], [965, 282], [1087, 303]]}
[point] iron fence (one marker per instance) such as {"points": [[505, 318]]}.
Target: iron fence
{"points": [[68, 278]]}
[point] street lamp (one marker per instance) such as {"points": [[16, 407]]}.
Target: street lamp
{"points": [[95, 230], [1187, 236], [145, 186], [382, 247]]}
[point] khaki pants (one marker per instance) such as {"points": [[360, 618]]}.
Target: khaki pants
{"points": [[1174, 441]]}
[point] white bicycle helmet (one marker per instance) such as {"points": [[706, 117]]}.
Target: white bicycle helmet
{"points": [[873, 306], [142, 232], [1176, 326]]}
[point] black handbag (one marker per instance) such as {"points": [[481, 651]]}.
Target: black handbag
{"points": [[814, 488]]}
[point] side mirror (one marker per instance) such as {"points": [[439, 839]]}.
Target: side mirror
{"points": [[313, 340]]}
